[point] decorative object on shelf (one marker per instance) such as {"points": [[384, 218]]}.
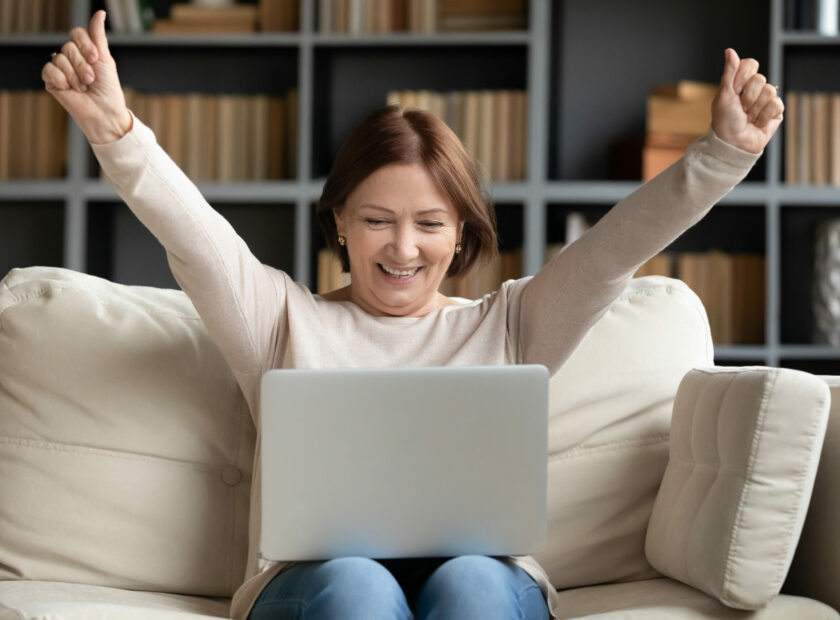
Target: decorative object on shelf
{"points": [[677, 114], [492, 125], [827, 17], [129, 16], [826, 288], [812, 138], [19, 16]]}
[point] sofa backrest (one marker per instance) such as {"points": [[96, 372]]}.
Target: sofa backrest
{"points": [[610, 410], [125, 444], [126, 447]]}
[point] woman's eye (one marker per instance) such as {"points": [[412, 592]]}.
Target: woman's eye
{"points": [[432, 224], [374, 222]]}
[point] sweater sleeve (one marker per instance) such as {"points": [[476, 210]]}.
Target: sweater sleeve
{"points": [[237, 297], [561, 302]]}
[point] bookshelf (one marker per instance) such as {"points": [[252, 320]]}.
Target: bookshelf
{"points": [[587, 68]]}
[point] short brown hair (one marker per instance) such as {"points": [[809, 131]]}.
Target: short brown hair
{"points": [[394, 135]]}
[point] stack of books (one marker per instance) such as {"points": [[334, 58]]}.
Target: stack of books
{"points": [[492, 125], [812, 138], [224, 137], [18, 16], [677, 114], [186, 18], [730, 285], [33, 135], [421, 16]]}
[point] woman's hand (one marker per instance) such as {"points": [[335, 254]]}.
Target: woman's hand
{"points": [[83, 78], [746, 111]]}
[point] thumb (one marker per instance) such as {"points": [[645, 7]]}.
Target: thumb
{"points": [[730, 67], [96, 30]]}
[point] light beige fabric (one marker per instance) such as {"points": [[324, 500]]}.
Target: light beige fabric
{"points": [[125, 444], [664, 599], [45, 600], [261, 319], [815, 571], [610, 418], [745, 443]]}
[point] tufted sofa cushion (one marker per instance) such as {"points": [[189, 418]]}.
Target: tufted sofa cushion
{"points": [[610, 408], [125, 444], [745, 444]]}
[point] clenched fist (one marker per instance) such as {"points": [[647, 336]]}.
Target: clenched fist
{"points": [[746, 111], [83, 78]]}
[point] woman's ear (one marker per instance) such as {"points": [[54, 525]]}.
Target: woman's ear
{"points": [[459, 238], [338, 214]]}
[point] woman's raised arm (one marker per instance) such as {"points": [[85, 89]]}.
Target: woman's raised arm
{"points": [[238, 298], [576, 288]]}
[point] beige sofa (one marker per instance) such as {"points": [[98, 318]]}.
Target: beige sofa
{"points": [[126, 451]]}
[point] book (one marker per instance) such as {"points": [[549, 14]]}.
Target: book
{"points": [[239, 14], [791, 129], [804, 138], [819, 138], [168, 26], [5, 135], [193, 137], [681, 108], [834, 139], [276, 138], [278, 15]]}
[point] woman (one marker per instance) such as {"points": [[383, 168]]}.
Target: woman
{"points": [[403, 207]]}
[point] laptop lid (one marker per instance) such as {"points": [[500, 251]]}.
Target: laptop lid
{"points": [[404, 462]]}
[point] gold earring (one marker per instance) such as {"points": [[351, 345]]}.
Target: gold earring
{"points": [[458, 248], [342, 241]]}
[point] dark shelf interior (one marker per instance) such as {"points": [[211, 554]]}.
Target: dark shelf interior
{"points": [[121, 249]]}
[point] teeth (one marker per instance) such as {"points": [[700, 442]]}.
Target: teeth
{"points": [[402, 274]]}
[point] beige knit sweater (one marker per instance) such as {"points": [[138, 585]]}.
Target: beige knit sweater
{"points": [[261, 319]]}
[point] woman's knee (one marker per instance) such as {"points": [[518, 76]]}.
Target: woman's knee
{"points": [[342, 587], [476, 586]]}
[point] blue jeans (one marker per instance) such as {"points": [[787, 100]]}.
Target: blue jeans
{"points": [[462, 588]]}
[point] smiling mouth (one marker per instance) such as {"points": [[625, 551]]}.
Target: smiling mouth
{"points": [[399, 273]]}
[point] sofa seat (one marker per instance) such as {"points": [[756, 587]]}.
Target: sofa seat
{"points": [[665, 599], [51, 600]]}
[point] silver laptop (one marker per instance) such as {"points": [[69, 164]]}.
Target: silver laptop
{"points": [[395, 463]]}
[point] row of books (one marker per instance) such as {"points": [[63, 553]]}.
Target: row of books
{"points": [[812, 138], [137, 16], [815, 15], [421, 16], [33, 135], [18, 16], [479, 281], [224, 137], [492, 125], [730, 285]]}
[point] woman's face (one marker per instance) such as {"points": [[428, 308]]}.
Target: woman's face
{"points": [[401, 235]]}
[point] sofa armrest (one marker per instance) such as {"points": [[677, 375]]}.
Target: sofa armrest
{"points": [[815, 571]]}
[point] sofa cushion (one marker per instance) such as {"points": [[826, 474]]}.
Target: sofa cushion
{"points": [[610, 408], [816, 564], [745, 443], [125, 444], [45, 600], [664, 599]]}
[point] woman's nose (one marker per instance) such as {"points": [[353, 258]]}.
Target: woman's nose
{"points": [[404, 245]]}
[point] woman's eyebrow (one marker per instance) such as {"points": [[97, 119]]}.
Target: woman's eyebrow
{"points": [[387, 210]]}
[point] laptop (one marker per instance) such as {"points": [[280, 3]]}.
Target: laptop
{"points": [[404, 462]]}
